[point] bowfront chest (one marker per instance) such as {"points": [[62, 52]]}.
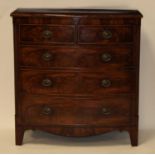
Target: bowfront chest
{"points": [[76, 71]]}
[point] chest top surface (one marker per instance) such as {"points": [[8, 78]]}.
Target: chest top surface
{"points": [[48, 12]]}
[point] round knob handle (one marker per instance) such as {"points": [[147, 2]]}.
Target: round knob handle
{"points": [[107, 34], [47, 34], [47, 56], [106, 57], [106, 111], [47, 83], [105, 83], [46, 110]]}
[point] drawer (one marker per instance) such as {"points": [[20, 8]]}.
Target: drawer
{"points": [[105, 34], [43, 110], [76, 83], [83, 57], [43, 34]]}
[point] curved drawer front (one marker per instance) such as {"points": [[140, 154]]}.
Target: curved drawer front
{"points": [[110, 111], [105, 34], [43, 34], [67, 57], [76, 83]]}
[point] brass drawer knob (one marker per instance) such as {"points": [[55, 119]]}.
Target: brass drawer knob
{"points": [[106, 111], [106, 83], [47, 56], [47, 34], [107, 34], [106, 57], [46, 110], [47, 82]]}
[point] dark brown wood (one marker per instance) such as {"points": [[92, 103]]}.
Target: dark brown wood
{"points": [[94, 34], [76, 71], [19, 134], [70, 111], [103, 12], [133, 132], [36, 34], [76, 82], [76, 57]]}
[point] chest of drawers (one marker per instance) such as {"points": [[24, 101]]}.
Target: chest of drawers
{"points": [[76, 71]]}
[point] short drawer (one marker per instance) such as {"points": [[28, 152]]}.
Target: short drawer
{"points": [[83, 57], [76, 83], [43, 34], [105, 34], [43, 110]]}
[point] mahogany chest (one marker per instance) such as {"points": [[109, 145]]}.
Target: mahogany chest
{"points": [[76, 71]]}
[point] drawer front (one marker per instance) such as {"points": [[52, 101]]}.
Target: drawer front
{"points": [[76, 83], [64, 57], [105, 34], [43, 34], [110, 111]]}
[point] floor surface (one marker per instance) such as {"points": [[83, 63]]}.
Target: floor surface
{"points": [[41, 142]]}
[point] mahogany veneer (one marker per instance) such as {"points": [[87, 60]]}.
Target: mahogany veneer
{"points": [[76, 71]]}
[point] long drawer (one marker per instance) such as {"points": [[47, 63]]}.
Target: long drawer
{"points": [[79, 57], [45, 110], [77, 83]]}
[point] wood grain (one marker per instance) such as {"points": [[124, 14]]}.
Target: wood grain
{"points": [[68, 47]]}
